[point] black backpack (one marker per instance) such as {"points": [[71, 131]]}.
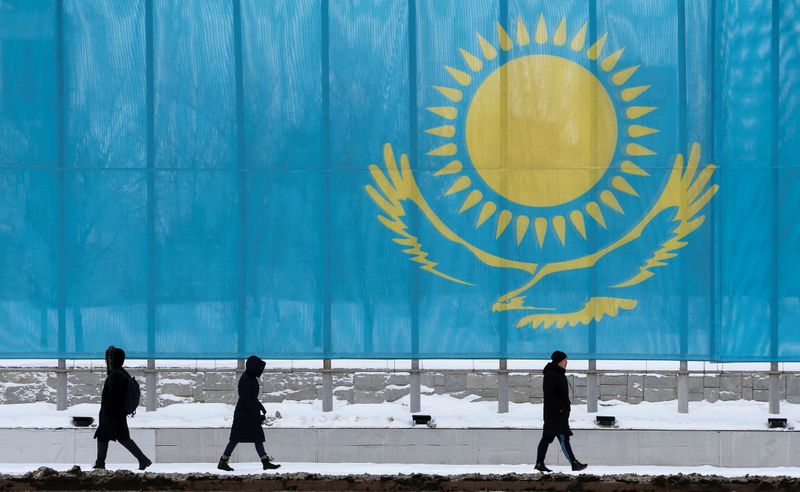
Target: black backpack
{"points": [[132, 397]]}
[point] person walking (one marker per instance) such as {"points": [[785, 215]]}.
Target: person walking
{"points": [[248, 416], [556, 412], [112, 421]]}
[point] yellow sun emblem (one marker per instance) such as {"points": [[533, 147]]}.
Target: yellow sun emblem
{"points": [[547, 148]]}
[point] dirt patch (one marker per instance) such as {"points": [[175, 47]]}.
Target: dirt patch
{"points": [[77, 479]]}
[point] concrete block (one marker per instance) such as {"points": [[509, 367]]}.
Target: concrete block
{"points": [[617, 391], [634, 400], [696, 384], [659, 394], [519, 394], [660, 382], [228, 397], [519, 379], [220, 381], [397, 380], [753, 449], [369, 396], [761, 382], [394, 394], [273, 386], [291, 445], [433, 380], [191, 445], [592, 446], [456, 382], [536, 386], [307, 393], [613, 379], [747, 393], [344, 394], [793, 389], [731, 383], [636, 386], [711, 381], [711, 395], [674, 448], [761, 395], [369, 382], [747, 382], [502, 446], [729, 396], [481, 381]]}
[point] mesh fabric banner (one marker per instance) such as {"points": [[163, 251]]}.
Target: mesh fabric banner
{"points": [[400, 178]]}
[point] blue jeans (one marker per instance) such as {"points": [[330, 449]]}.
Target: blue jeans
{"points": [[563, 440], [232, 445]]}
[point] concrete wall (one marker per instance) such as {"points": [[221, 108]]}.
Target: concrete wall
{"points": [[419, 445], [219, 386]]}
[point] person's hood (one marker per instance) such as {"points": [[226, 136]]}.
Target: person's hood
{"points": [[553, 367], [115, 357], [254, 366]]}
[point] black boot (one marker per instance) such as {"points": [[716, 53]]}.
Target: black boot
{"points": [[137, 453], [578, 466], [223, 465], [99, 466], [540, 467], [268, 465]]}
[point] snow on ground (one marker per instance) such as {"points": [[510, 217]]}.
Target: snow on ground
{"points": [[407, 469], [448, 412]]}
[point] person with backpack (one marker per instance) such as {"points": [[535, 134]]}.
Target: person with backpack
{"points": [[556, 412], [120, 398], [248, 416]]}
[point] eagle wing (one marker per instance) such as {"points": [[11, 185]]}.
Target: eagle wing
{"points": [[395, 186]]}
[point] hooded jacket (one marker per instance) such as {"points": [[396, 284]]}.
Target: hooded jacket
{"points": [[112, 422], [247, 416]]}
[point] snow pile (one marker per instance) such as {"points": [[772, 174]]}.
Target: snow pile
{"points": [[447, 411]]}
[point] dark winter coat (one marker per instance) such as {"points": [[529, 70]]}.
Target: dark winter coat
{"points": [[112, 422], [247, 416], [556, 401]]}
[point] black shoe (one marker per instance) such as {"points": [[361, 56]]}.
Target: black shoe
{"points": [[578, 466], [223, 465], [99, 466], [540, 467], [268, 465], [144, 464]]}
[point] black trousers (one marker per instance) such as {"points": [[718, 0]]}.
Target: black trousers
{"points": [[102, 451], [563, 440]]}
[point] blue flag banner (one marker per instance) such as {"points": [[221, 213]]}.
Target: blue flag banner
{"points": [[400, 178]]}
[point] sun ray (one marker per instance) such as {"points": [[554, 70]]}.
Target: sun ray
{"points": [[489, 51], [503, 219], [445, 150], [576, 217], [635, 112], [505, 40], [540, 225], [522, 33], [472, 199], [610, 200], [461, 184], [611, 60], [593, 209], [632, 93], [541, 30], [635, 131], [622, 185], [522, 227], [452, 167], [629, 167], [560, 37], [462, 78], [579, 39], [473, 62], [593, 53], [637, 150], [560, 226], [454, 95], [487, 211], [446, 112], [446, 131], [622, 76]]}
